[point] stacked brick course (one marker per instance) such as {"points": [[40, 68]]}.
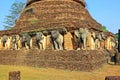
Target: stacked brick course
{"points": [[72, 59], [53, 14]]}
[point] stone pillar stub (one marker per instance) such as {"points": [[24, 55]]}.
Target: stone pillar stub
{"points": [[49, 45], [14, 75], [68, 41]]}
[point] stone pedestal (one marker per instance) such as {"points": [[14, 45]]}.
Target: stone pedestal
{"points": [[75, 42], [112, 78], [49, 45], [108, 43], [68, 41], [90, 43], [14, 75], [102, 44]]}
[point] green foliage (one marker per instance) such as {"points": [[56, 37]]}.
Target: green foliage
{"points": [[33, 20], [104, 29], [14, 14], [116, 36]]}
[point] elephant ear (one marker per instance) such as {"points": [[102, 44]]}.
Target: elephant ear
{"points": [[76, 32]]}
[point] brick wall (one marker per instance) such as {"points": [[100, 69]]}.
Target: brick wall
{"points": [[72, 59]]}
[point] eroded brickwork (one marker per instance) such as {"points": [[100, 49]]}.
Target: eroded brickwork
{"points": [[72, 60]]}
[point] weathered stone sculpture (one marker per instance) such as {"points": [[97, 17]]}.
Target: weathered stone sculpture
{"points": [[91, 41], [4, 40], [99, 38], [40, 40], [57, 40], [37, 17], [26, 41], [53, 16], [15, 42], [81, 35]]}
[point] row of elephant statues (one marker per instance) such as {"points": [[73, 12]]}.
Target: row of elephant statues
{"points": [[56, 38]]}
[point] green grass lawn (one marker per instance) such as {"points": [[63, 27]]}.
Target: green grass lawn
{"points": [[32, 73]]}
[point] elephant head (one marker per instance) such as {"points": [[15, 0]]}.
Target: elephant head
{"points": [[103, 36], [26, 40], [81, 35], [57, 40], [93, 35], [39, 36], [15, 39], [4, 40], [100, 36], [39, 40], [54, 34], [63, 31]]}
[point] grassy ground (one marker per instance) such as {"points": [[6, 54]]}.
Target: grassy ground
{"points": [[31, 73]]}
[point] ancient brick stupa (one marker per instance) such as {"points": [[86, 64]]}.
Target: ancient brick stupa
{"points": [[51, 14], [41, 15]]}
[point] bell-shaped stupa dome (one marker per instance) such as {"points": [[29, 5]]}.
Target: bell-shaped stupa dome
{"points": [[53, 14]]}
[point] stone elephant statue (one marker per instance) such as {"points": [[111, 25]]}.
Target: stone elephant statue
{"points": [[15, 42], [57, 40], [113, 42], [81, 35], [98, 38], [26, 41], [4, 40], [40, 40]]}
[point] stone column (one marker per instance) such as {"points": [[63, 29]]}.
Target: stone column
{"points": [[14, 75], [75, 42], [68, 41], [108, 43], [49, 45], [102, 44]]}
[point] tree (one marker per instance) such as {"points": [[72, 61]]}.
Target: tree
{"points": [[104, 29], [116, 36], [14, 14]]}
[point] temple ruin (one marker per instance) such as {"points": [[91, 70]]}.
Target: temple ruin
{"points": [[77, 33]]}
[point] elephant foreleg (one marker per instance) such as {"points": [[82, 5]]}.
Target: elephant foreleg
{"points": [[60, 46], [55, 45], [84, 44], [41, 46], [38, 44], [78, 43], [27, 46], [99, 44], [13, 46], [17, 46], [60, 42]]}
